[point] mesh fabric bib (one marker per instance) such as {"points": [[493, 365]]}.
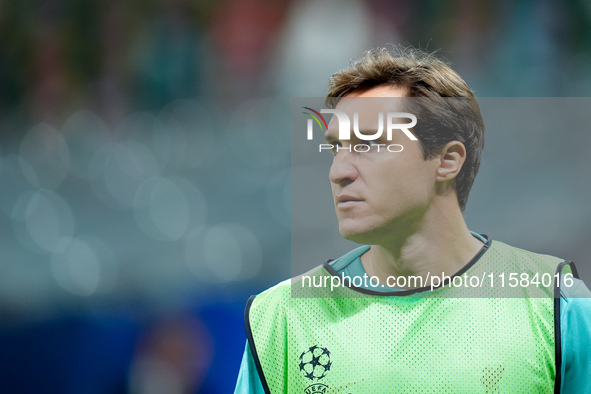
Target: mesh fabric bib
{"points": [[345, 341]]}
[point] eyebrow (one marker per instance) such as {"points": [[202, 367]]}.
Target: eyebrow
{"points": [[330, 136], [369, 131]]}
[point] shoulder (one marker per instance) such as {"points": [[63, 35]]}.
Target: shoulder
{"points": [[281, 289], [278, 295], [522, 254], [269, 302], [526, 260], [299, 286]]}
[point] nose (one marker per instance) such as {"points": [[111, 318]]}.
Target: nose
{"points": [[343, 170]]}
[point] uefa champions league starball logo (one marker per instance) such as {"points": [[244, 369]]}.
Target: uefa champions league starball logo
{"points": [[315, 363]]}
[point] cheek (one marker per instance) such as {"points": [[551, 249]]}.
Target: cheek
{"points": [[409, 181]]}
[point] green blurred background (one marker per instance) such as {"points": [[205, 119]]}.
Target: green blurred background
{"points": [[137, 212]]}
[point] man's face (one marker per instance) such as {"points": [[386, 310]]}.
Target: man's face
{"points": [[378, 194]]}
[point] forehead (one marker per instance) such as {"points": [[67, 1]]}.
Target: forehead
{"points": [[377, 98], [367, 103]]}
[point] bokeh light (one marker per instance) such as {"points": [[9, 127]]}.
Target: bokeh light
{"points": [[41, 219], [223, 253], [127, 166], [43, 149], [85, 134], [11, 173], [165, 208], [76, 266]]}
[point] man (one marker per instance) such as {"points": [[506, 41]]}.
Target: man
{"points": [[396, 333]]}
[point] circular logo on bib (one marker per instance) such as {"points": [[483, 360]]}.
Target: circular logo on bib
{"points": [[315, 362]]}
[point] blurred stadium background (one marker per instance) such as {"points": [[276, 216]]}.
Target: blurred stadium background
{"points": [[137, 213]]}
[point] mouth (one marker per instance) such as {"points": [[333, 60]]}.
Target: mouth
{"points": [[346, 201]]}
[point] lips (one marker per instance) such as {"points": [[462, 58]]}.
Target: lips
{"points": [[347, 201], [347, 198]]}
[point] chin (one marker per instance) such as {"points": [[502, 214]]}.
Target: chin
{"points": [[358, 236]]}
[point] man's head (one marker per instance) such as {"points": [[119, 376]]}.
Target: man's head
{"points": [[447, 112]]}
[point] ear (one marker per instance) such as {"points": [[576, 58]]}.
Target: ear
{"points": [[451, 159]]}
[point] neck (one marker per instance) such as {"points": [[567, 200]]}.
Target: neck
{"points": [[437, 243]]}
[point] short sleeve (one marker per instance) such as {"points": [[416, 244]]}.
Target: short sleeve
{"points": [[248, 377], [575, 330]]}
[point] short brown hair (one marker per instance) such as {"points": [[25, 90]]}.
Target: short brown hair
{"points": [[455, 118]]}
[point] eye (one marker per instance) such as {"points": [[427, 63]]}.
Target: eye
{"points": [[374, 144], [335, 145]]}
